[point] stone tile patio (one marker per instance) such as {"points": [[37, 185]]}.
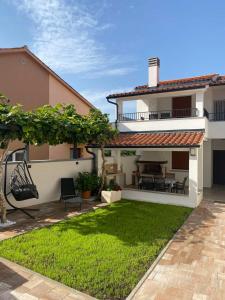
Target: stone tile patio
{"points": [[20, 283], [193, 266]]}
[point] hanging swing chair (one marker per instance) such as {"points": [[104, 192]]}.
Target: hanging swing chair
{"points": [[20, 183]]}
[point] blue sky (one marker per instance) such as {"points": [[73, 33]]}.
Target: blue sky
{"points": [[102, 46]]}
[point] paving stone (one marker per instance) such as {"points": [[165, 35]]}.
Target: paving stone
{"points": [[193, 266]]}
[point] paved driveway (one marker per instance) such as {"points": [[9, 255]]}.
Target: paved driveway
{"points": [[193, 266]]}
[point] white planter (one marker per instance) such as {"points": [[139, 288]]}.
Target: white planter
{"points": [[110, 196]]}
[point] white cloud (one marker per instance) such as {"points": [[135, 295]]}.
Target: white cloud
{"points": [[64, 37]]}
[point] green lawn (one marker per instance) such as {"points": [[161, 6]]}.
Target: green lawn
{"points": [[102, 253]]}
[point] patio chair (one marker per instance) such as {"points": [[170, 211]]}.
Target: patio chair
{"points": [[160, 184], [69, 195], [146, 183], [180, 186]]}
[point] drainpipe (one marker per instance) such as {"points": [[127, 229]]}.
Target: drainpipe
{"points": [[94, 169], [117, 114]]}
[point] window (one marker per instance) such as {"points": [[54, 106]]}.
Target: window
{"points": [[75, 153], [180, 160], [18, 156], [108, 153], [128, 152]]}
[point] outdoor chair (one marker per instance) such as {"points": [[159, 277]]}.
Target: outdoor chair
{"points": [[160, 184], [180, 186], [69, 195], [146, 183]]}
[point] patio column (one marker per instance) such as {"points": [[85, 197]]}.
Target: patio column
{"points": [[208, 164], [116, 154], [200, 103], [99, 161], [200, 174], [120, 106], [195, 175]]}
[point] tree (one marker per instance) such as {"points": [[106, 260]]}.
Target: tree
{"points": [[47, 124], [51, 125], [11, 119], [100, 132]]}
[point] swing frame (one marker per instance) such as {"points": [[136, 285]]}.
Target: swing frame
{"points": [[6, 194]]}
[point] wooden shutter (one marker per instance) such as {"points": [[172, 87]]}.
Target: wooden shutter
{"points": [[180, 160]]}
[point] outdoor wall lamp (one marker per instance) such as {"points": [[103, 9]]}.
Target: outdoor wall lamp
{"points": [[193, 151]]}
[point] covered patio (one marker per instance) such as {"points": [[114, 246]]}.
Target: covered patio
{"points": [[164, 168]]}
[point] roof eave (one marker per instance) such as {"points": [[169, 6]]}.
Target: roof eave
{"points": [[148, 146], [130, 94]]}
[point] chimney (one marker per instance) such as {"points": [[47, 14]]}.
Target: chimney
{"points": [[153, 71]]}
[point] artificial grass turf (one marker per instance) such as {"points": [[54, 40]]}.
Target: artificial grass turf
{"points": [[103, 253]]}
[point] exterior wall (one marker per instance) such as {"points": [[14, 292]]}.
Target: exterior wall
{"points": [[59, 152], [24, 81], [208, 100], [157, 197], [58, 93], [46, 175], [207, 164], [160, 125], [215, 128], [218, 93], [128, 165], [142, 105], [165, 156]]}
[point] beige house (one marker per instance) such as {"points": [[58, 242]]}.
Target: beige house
{"points": [[25, 79]]}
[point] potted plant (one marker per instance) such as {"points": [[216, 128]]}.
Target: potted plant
{"points": [[111, 193], [84, 184], [96, 184]]}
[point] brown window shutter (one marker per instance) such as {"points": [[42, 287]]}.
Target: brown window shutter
{"points": [[180, 160]]}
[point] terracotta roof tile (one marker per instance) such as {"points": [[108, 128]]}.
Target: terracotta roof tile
{"points": [[174, 85], [164, 139]]}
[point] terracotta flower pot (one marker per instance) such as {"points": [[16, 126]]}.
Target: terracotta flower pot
{"points": [[86, 194]]}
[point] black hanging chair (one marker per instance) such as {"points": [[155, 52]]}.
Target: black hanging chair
{"points": [[21, 185]]}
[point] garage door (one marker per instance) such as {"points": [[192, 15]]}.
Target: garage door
{"points": [[219, 167]]}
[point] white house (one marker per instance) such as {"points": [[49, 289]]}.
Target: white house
{"points": [[178, 133]]}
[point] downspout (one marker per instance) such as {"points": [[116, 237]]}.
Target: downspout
{"points": [[94, 169], [117, 110]]}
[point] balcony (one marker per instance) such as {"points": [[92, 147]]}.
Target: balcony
{"points": [[214, 117], [162, 120], [159, 115], [215, 125]]}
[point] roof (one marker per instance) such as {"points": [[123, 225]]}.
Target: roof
{"points": [[49, 70], [175, 85], [171, 139]]}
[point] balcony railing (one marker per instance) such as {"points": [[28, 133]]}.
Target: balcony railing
{"points": [[159, 115], [214, 117]]}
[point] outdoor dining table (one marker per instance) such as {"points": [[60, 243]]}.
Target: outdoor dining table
{"points": [[171, 182]]}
